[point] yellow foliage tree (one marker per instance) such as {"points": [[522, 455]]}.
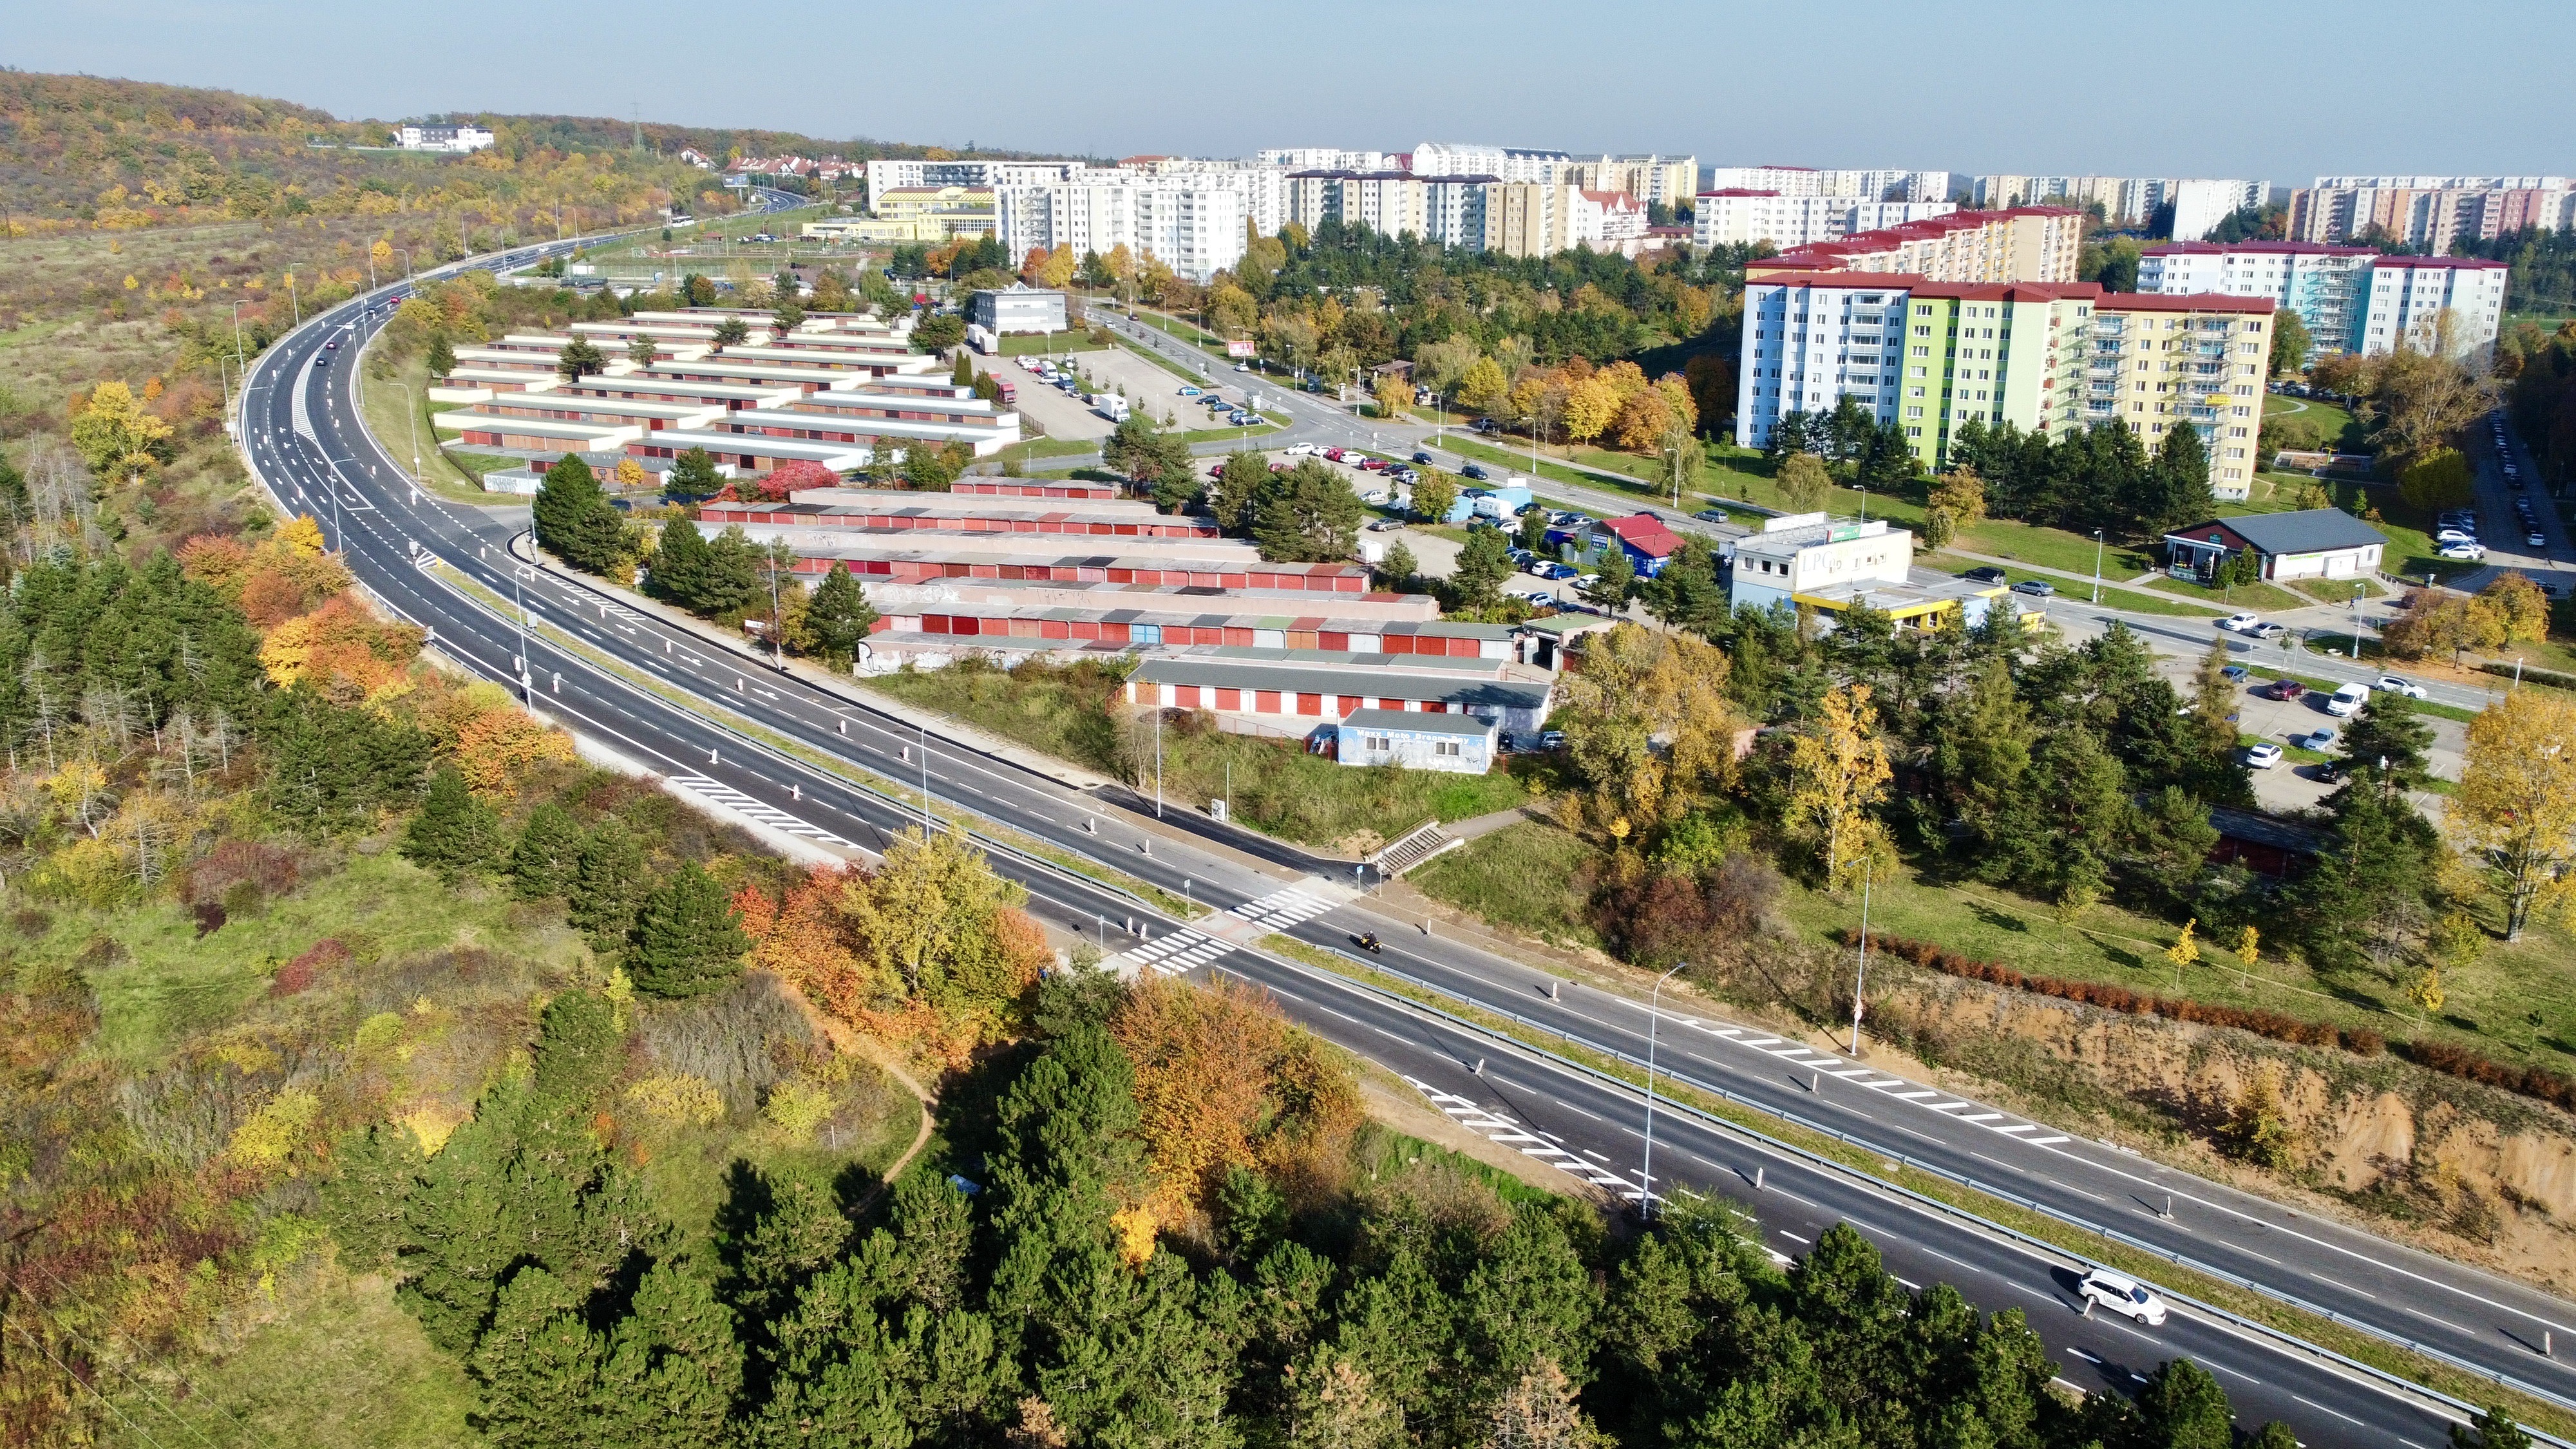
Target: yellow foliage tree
{"points": [[116, 436], [1484, 389], [1838, 769], [1649, 728], [2514, 813], [1591, 406], [1058, 268], [303, 536]]}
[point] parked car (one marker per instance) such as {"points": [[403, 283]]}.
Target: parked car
{"points": [[1551, 739], [2329, 772], [2263, 756], [1373, 465], [2288, 689], [1335, 454], [1298, 450], [2463, 552], [2398, 684], [1188, 391], [1384, 524], [1560, 571], [2036, 588], [1485, 425], [1243, 367], [2123, 1295], [2240, 623], [1988, 574], [2454, 534], [2348, 700], [2234, 673], [2319, 740]]}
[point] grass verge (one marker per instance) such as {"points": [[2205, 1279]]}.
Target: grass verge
{"points": [[1523, 876], [396, 419], [2082, 593]]}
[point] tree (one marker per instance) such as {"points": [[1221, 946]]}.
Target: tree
{"points": [[732, 332], [1393, 396], [2438, 480], [2213, 701], [1962, 492], [1804, 484], [2178, 484], [2290, 343], [2511, 609], [454, 834], [936, 332], [698, 291], [1484, 561], [442, 354], [1157, 459], [2183, 1407], [680, 565], [840, 616], [546, 860], [115, 436], [576, 522], [963, 374], [606, 882], [2494, 1429], [1433, 495], [1306, 515], [1940, 526], [642, 350], [2385, 745], [1838, 769], [579, 358], [1613, 584], [686, 940], [2514, 814], [1401, 568], [1483, 388], [693, 475], [1236, 488], [1591, 406]]}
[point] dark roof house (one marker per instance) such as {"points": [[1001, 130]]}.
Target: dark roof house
{"points": [[2310, 543]]}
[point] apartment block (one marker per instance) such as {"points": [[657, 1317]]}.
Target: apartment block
{"points": [[1451, 210], [1509, 163], [1931, 355], [2409, 301], [1326, 158], [884, 176], [2429, 217], [1866, 185], [1667, 179], [2199, 204], [2324, 285], [1186, 221], [2020, 244], [1738, 217]]}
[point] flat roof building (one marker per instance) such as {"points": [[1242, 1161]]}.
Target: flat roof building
{"points": [[1459, 744]]}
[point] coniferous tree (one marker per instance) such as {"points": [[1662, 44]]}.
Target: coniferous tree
{"points": [[579, 358], [576, 522], [453, 834], [607, 882], [693, 475], [686, 940], [698, 291], [672, 1366], [730, 584], [442, 354], [682, 561], [547, 856], [578, 1049], [840, 616], [963, 374]]}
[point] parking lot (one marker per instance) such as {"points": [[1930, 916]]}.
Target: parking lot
{"points": [[2294, 784]]}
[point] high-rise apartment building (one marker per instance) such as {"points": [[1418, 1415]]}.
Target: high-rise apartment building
{"points": [[884, 176], [2020, 244], [1325, 158], [1509, 163], [2199, 205], [2429, 217], [1670, 180], [1929, 356], [2324, 285], [1183, 220], [1740, 218], [2428, 304], [1866, 185], [1451, 210]]}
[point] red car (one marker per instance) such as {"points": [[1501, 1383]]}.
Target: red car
{"points": [[2288, 689], [1373, 465], [1334, 454]]}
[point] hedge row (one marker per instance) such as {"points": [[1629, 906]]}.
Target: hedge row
{"points": [[2538, 1082], [2548, 677]]}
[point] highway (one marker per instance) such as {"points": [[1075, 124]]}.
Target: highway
{"points": [[330, 468]]}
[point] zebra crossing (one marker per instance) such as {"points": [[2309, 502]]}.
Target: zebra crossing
{"points": [[1175, 953], [1282, 908], [1504, 1132], [1825, 1064], [742, 804]]}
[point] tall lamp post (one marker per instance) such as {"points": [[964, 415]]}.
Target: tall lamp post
{"points": [[2097, 565], [1646, 1171], [1860, 973], [2356, 619], [411, 415]]}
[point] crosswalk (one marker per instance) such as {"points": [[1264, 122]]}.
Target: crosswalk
{"points": [[1175, 953], [742, 804], [1184, 949], [1825, 1064], [1504, 1132], [1281, 909]]}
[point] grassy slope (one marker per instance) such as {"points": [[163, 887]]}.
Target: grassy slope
{"points": [[333, 1360], [1522, 876]]}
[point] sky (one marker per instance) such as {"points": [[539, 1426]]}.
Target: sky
{"points": [[2252, 89]]}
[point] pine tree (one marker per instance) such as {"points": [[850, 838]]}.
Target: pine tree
{"points": [[681, 563], [685, 940], [579, 358], [607, 882], [730, 585], [574, 519], [964, 373], [442, 354], [1400, 568], [693, 475], [673, 1367], [547, 857], [579, 1048], [454, 834], [1612, 586], [538, 1367], [840, 616]]}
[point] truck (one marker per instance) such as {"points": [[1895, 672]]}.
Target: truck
{"points": [[1010, 392], [1109, 405]]}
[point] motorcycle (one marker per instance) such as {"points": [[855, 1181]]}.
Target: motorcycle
{"points": [[1369, 944]]}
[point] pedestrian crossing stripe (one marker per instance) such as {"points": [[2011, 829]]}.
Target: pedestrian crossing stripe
{"points": [[1521, 1138], [743, 805], [1810, 1059], [1175, 954], [1281, 908]]}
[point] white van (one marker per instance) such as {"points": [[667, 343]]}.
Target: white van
{"points": [[1109, 405], [2348, 700]]}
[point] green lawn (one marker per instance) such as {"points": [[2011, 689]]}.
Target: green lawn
{"points": [[457, 477], [2343, 434], [1522, 876], [2112, 598], [1049, 344], [2053, 548], [2256, 596], [2336, 591], [1032, 448], [331, 1360]]}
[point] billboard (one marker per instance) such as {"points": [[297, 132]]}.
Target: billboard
{"points": [[1241, 348]]}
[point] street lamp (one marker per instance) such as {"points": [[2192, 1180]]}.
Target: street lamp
{"points": [[1646, 1172], [1860, 973], [411, 415], [2097, 565], [2356, 618], [291, 299]]}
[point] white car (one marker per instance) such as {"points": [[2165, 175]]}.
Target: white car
{"points": [[2464, 552], [2240, 623], [2407, 687], [1243, 367], [2122, 1295], [1298, 450], [2348, 700], [2263, 756], [2454, 535]]}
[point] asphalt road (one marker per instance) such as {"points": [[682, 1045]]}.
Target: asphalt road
{"points": [[330, 468]]}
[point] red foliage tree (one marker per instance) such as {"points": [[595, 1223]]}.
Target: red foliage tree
{"points": [[788, 477]]}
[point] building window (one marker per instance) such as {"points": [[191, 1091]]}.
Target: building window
{"points": [[1450, 748]]}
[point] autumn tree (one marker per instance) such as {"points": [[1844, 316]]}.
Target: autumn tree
{"points": [[115, 436], [1649, 730], [1838, 770], [1804, 484], [1483, 388], [2438, 480], [2509, 610], [1433, 495], [2514, 814], [1393, 395], [1962, 492]]}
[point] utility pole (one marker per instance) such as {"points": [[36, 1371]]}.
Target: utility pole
{"points": [[2097, 565], [1860, 974]]}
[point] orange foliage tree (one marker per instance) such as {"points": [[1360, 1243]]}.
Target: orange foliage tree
{"points": [[340, 647]]}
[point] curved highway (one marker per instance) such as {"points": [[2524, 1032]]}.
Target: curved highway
{"points": [[301, 435]]}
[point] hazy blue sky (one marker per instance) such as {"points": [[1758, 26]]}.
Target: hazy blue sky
{"points": [[2249, 89]]}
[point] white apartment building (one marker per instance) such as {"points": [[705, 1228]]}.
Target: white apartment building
{"points": [[1671, 180], [1507, 163], [1811, 340], [1264, 189], [1189, 225], [2199, 204], [2450, 183], [2430, 217], [885, 176], [2324, 285], [1741, 218], [2406, 298], [1866, 185], [1325, 158], [1451, 210], [459, 138]]}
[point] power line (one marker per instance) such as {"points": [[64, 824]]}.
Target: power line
{"points": [[84, 1383]]}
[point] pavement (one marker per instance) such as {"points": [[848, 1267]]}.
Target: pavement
{"points": [[696, 712]]}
